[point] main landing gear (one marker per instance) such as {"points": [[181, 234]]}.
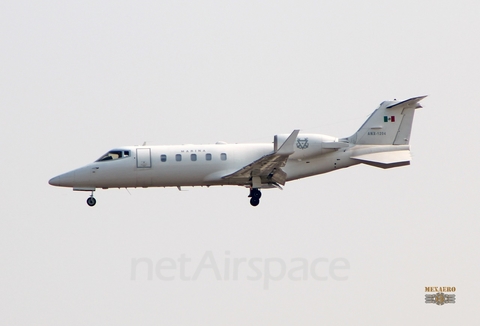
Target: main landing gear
{"points": [[91, 201], [255, 195]]}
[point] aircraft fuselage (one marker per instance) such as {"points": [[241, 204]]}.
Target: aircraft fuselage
{"points": [[188, 165], [382, 141]]}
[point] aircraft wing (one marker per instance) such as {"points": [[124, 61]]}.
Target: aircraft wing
{"points": [[268, 167]]}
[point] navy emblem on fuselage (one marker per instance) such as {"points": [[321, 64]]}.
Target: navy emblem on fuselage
{"points": [[302, 143]]}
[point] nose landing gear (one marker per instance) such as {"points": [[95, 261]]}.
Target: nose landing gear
{"points": [[255, 195], [91, 201]]}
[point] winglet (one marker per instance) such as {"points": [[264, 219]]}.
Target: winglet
{"points": [[287, 146]]}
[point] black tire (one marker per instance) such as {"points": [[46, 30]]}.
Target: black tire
{"points": [[256, 194], [254, 201], [91, 201]]}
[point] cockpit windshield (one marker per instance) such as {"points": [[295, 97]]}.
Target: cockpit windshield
{"points": [[114, 155]]}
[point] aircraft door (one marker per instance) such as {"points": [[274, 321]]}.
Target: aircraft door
{"points": [[144, 158]]}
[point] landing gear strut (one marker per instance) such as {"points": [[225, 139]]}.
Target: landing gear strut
{"points": [[91, 201], [255, 195]]}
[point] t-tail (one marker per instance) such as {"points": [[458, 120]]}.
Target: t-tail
{"points": [[383, 140], [390, 124]]}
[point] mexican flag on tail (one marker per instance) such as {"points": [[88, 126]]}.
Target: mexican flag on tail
{"points": [[389, 118]]}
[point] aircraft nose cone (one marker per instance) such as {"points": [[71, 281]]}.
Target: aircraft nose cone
{"points": [[63, 180], [54, 181]]}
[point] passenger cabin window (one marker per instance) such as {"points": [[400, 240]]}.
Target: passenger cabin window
{"points": [[113, 155], [223, 156], [193, 157], [178, 157], [208, 157], [163, 158]]}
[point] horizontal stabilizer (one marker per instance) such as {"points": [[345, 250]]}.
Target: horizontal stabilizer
{"points": [[410, 103], [387, 158]]}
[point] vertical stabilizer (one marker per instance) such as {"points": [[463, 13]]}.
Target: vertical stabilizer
{"points": [[390, 124]]}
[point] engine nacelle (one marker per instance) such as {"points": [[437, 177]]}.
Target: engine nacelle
{"points": [[307, 145]]}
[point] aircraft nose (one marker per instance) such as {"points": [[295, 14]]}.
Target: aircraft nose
{"points": [[63, 180], [54, 181]]}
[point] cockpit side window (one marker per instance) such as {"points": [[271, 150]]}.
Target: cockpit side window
{"points": [[113, 155]]}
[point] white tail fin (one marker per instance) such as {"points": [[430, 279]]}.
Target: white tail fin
{"points": [[390, 124]]}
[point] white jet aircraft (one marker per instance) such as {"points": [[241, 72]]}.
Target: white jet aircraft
{"points": [[382, 141]]}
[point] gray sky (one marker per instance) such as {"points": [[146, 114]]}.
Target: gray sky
{"points": [[78, 79]]}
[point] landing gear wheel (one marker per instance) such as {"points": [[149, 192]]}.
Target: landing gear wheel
{"points": [[91, 201], [255, 193], [254, 201]]}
